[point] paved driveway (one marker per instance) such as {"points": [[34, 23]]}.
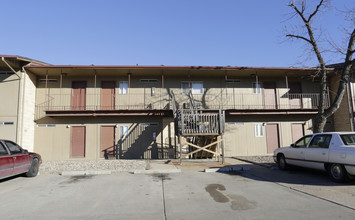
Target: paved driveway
{"points": [[259, 193]]}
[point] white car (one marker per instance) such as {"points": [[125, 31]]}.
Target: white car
{"points": [[333, 152]]}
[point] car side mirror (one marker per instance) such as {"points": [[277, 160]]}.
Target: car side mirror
{"points": [[25, 151], [293, 145]]}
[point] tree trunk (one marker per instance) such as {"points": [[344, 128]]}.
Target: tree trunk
{"points": [[319, 123]]}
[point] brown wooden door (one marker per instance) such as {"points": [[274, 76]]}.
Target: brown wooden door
{"points": [[108, 95], [270, 95], [78, 141], [297, 131], [107, 141], [78, 95], [272, 137], [295, 95]]}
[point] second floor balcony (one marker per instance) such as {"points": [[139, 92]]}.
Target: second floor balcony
{"points": [[161, 100]]}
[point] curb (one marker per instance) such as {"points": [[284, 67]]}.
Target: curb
{"points": [[226, 169], [85, 172], [266, 165], [157, 171]]}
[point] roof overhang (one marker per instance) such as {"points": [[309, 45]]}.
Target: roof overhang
{"points": [[17, 62], [124, 70]]}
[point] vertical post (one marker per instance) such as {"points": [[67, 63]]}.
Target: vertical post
{"points": [[351, 107], [233, 97], [60, 88], [182, 121], [47, 90], [222, 145], [162, 87], [288, 92], [129, 88], [96, 93], [180, 148]]}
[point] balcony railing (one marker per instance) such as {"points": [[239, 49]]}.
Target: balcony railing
{"points": [[162, 101]]}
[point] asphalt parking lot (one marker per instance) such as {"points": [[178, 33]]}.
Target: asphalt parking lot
{"points": [[256, 193]]}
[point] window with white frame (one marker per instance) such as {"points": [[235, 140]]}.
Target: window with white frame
{"points": [[196, 88], [256, 88], [123, 87], [123, 131], [258, 129]]}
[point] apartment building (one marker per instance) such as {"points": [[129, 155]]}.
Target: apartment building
{"points": [[127, 112]]}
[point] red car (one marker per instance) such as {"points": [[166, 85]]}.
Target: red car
{"points": [[14, 160]]}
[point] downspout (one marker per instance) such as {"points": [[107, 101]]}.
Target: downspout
{"points": [[18, 100], [351, 106]]}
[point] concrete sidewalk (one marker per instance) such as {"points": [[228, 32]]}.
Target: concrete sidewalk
{"points": [[159, 166], [167, 166]]}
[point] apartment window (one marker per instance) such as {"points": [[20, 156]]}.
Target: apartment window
{"points": [[194, 87], [233, 81], [46, 126], [149, 124], [259, 132], [123, 131], [256, 88], [149, 80], [6, 123], [48, 80], [6, 73], [123, 87]]}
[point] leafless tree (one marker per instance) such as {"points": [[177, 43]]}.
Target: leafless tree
{"points": [[301, 11]]}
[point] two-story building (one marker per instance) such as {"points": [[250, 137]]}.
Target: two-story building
{"points": [[98, 112]]}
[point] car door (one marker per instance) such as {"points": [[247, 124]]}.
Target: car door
{"points": [[317, 151], [21, 159], [296, 153], [6, 162]]}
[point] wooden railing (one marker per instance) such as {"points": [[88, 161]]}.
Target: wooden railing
{"points": [[194, 122]]}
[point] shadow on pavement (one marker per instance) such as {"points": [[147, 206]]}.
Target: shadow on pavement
{"points": [[293, 175]]}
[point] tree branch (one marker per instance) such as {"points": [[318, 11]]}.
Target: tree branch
{"points": [[299, 37], [316, 10], [292, 5]]}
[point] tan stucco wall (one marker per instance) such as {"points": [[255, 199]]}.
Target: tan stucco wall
{"points": [[9, 90], [53, 143], [240, 137]]}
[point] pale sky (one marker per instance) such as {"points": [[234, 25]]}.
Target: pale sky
{"points": [[161, 32]]}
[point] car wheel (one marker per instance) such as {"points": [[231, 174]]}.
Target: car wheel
{"points": [[281, 162], [337, 173], [33, 171]]}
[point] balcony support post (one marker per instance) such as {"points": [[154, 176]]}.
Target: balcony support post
{"points": [[60, 86], [47, 89], [161, 90], [129, 88], [95, 93], [180, 148], [288, 92]]}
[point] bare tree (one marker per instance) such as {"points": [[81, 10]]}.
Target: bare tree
{"points": [[309, 38]]}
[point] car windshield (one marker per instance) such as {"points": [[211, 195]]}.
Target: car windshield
{"points": [[348, 139], [302, 142]]}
